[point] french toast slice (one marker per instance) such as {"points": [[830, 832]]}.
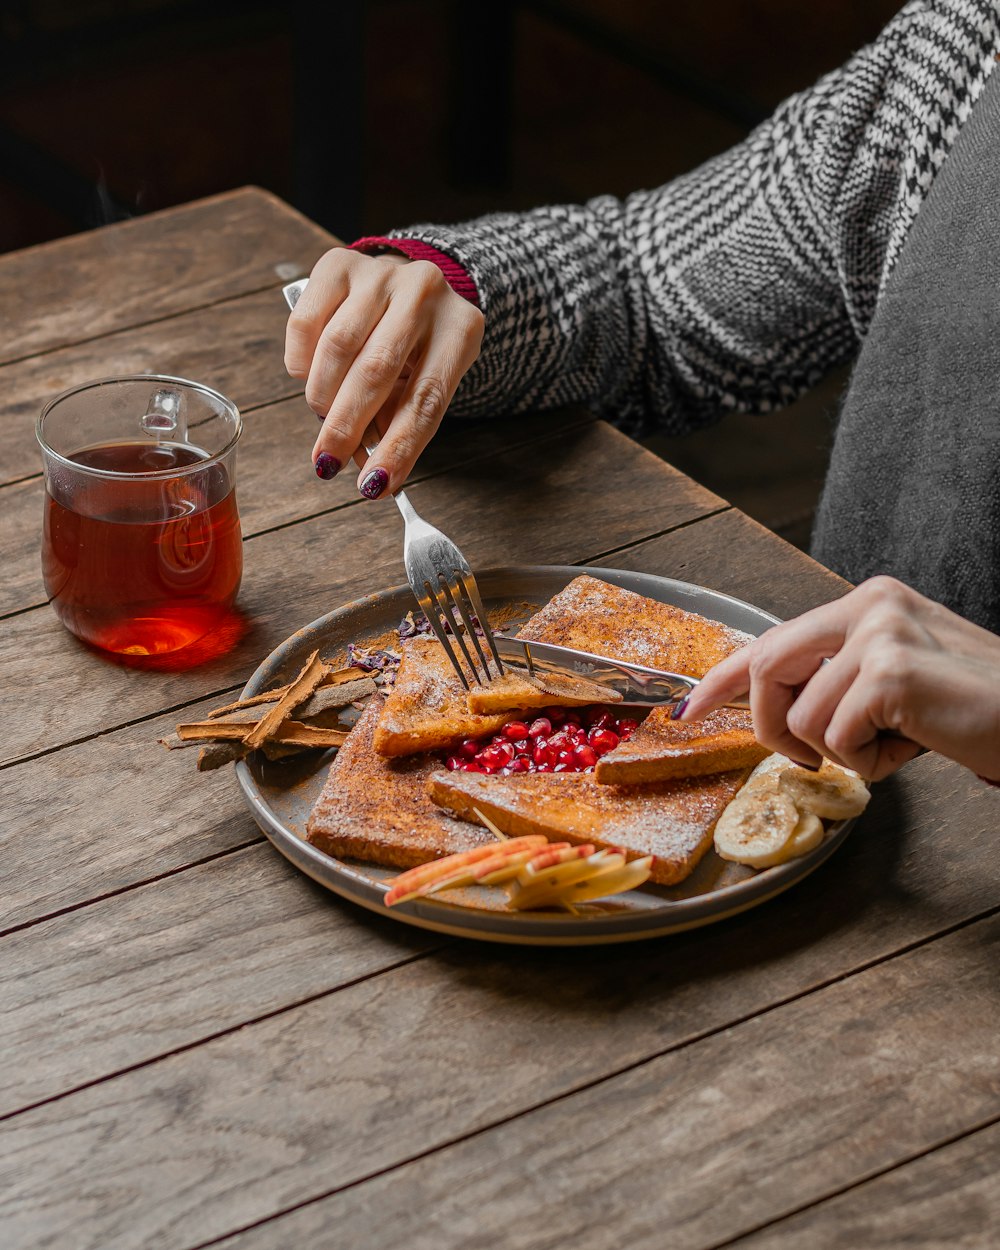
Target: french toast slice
{"points": [[428, 708], [673, 821], [661, 748], [517, 691], [378, 810], [603, 619]]}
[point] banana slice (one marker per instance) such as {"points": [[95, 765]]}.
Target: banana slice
{"points": [[773, 763], [832, 794], [758, 824], [806, 836]]}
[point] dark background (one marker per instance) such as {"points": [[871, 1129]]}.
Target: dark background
{"points": [[373, 115]]}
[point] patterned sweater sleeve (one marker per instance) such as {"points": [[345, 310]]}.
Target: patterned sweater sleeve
{"points": [[737, 286]]}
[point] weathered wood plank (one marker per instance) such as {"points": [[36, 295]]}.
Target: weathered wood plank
{"points": [[71, 822], [946, 1200], [139, 983], [275, 482], [292, 577], [47, 851], [736, 555], [150, 268], [234, 346], [705, 1140]]}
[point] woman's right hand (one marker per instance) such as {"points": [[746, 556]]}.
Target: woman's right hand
{"points": [[383, 341], [903, 673]]}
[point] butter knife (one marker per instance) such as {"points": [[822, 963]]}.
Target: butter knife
{"points": [[640, 686]]}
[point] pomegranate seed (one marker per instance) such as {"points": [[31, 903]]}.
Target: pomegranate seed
{"points": [[540, 728], [520, 765], [562, 768], [585, 756], [499, 755], [604, 721], [543, 768], [589, 768], [524, 746], [603, 740], [555, 714], [469, 748], [627, 726], [453, 762], [516, 729], [471, 767], [566, 757], [572, 716]]}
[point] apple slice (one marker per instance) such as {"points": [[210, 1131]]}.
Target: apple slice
{"points": [[415, 881]]}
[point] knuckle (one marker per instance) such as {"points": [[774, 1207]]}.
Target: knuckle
{"points": [[380, 364], [317, 396], [342, 338], [426, 275], [427, 402], [886, 590], [800, 722], [336, 430], [766, 656]]}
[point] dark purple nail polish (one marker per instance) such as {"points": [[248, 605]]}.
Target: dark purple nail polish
{"points": [[812, 768], [680, 709], [374, 483], [327, 466]]}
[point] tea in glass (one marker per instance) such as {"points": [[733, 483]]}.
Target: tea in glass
{"points": [[142, 552]]}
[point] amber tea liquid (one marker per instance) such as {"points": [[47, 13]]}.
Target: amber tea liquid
{"points": [[143, 566]]}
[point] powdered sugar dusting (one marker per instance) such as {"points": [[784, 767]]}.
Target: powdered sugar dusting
{"points": [[672, 820], [595, 616]]}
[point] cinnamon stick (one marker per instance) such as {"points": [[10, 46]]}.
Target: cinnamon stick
{"points": [[301, 688], [288, 733]]}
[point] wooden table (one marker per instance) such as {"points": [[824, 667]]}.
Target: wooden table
{"points": [[202, 1048]]}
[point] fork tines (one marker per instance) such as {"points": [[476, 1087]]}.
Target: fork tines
{"points": [[458, 602]]}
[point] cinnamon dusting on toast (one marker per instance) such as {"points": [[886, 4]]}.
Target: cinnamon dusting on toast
{"points": [[662, 748]]}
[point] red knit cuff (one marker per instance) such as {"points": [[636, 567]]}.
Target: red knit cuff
{"points": [[455, 274]]}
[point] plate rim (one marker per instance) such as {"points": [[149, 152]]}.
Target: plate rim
{"points": [[524, 928]]}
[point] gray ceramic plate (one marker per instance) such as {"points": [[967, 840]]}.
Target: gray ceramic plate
{"points": [[281, 795]]}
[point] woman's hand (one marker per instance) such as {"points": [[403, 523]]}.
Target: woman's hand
{"points": [[383, 341], [903, 673]]}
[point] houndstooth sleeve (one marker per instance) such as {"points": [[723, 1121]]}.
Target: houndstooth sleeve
{"points": [[737, 286]]}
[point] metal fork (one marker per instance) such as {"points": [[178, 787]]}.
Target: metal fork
{"points": [[439, 576]]}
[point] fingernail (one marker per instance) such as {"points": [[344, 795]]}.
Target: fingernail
{"points": [[374, 483], [680, 709], [812, 768], [327, 466]]}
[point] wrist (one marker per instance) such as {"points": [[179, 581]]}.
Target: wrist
{"points": [[455, 273]]}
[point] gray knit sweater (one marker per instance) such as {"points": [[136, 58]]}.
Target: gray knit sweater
{"points": [[738, 286]]}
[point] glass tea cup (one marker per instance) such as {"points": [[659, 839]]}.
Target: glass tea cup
{"points": [[141, 551]]}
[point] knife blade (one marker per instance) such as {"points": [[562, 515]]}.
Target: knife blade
{"points": [[640, 686]]}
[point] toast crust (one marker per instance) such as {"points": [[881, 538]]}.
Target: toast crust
{"points": [[378, 810], [517, 691], [595, 616], [662, 748], [426, 708], [672, 821]]}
